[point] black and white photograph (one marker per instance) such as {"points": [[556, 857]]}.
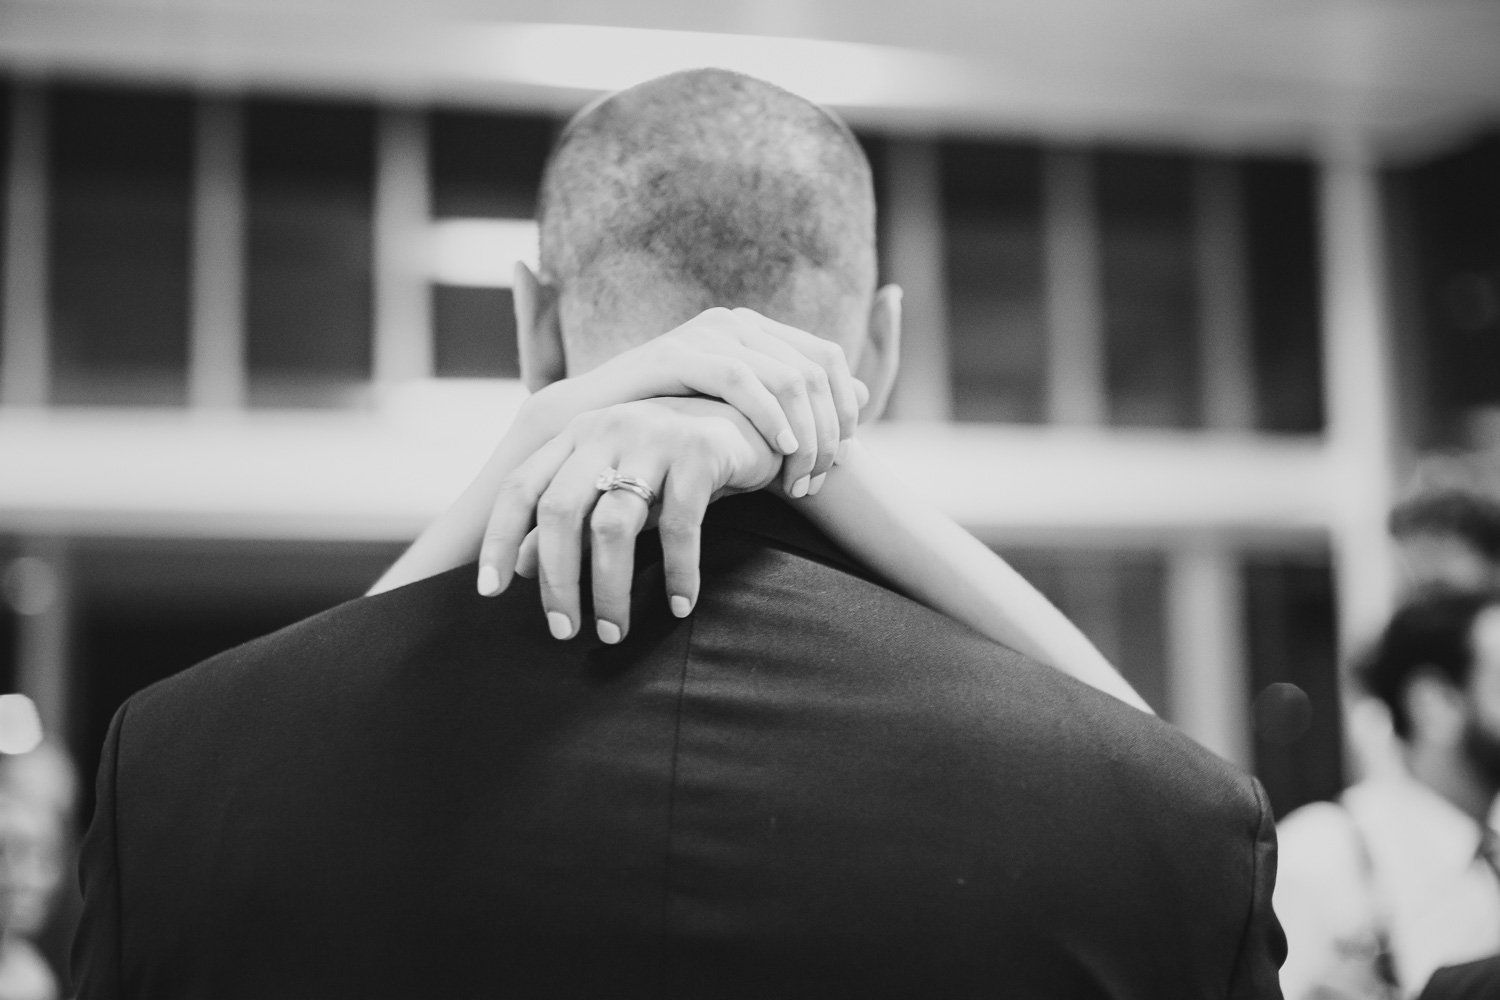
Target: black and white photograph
{"points": [[749, 499]]}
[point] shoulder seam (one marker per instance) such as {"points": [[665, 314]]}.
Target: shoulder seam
{"points": [[1262, 810], [666, 880], [114, 822]]}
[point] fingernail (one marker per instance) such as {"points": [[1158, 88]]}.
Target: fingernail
{"points": [[489, 581], [681, 606], [608, 631], [799, 488], [842, 455], [816, 484], [787, 442], [560, 624]]}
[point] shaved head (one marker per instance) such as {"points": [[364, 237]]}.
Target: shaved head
{"points": [[699, 189]]}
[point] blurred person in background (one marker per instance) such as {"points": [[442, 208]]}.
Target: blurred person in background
{"points": [[1399, 877], [1448, 538], [37, 795]]}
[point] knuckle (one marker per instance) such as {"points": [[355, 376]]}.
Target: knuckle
{"points": [[513, 488], [831, 355], [610, 525], [678, 526], [792, 384], [580, 426], [817, 379], [737, 373], [553, 509]]}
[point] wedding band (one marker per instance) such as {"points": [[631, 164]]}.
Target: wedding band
{"points": [[612, 479]]}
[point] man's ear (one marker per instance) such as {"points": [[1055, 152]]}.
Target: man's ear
{"points": [[538, 332], [881, 355], [1437, 709]]}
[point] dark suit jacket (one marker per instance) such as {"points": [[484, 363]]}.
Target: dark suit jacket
{"points": [[1471, 981], [810, 787]]}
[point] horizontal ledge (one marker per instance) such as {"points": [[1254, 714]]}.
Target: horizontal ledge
{"points": [[382, 474]]}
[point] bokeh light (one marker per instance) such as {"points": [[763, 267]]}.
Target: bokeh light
{"points": [[20, 725]]}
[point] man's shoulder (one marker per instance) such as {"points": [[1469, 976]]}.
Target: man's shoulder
{"points": [[348, 650], [843, 633]]}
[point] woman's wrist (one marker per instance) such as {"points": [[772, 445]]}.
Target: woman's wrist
{"points": [[547, 412]]}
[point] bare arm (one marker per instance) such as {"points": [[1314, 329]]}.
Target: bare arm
{"points": [[794, 388], [866, 509], [689, 451]]}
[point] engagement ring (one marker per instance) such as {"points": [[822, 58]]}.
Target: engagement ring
{"points": [[612, 479]]}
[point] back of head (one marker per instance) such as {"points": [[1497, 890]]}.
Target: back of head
{"points": [[1449, 538], [699, 189], [1433, 633], [1463, 514]]}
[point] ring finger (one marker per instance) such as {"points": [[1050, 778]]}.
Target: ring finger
{"points": [[560, 514], [618, 518]]}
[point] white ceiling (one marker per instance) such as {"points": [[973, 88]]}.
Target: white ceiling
{"points": [[1406, 76]]}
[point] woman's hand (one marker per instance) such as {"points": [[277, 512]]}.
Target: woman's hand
{"points": [[794, 387], [688, 452]]}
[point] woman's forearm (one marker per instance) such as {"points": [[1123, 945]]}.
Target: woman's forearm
{"points": [[454, 538], [867, 510]]}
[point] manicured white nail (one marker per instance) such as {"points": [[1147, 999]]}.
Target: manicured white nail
{"points": [[842, 455], [608, 631], [560, 624], [816, 484], [681, 606], [489, 581], [787, 442], [799, 488]]}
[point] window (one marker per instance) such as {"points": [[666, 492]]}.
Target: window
{"points": [[490, 167], [1286, 329], [1147, 266], [1290, 621], [7, 96], [1117, 598], [120, 165], [992, 228], [1457, 209], [309, 204], [9, 639]]}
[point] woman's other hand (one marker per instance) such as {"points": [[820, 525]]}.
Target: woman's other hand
{"points": [[794, 387]]}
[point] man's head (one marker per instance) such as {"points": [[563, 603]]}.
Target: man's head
{"points": [[699, 189], [1448, 539], [1437, 667]]}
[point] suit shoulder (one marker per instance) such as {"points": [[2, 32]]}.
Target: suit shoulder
{"points": [[347, 648], [767, 605]]}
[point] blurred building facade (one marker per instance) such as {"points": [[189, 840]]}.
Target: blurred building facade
{"points": [[1186, 296]]}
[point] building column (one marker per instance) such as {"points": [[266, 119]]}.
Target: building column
{"points": [[37, 586], [25, 357], [403, 308], [216, 356], [1357, 389], [1077, 376], [916, 254], [1208, 685], [1228, 382]]}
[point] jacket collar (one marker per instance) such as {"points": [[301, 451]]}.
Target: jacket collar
{"points": [[775, 520]]}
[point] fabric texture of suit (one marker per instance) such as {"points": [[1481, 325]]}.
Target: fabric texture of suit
{"points": [[1471, 981], [810, 787]]}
